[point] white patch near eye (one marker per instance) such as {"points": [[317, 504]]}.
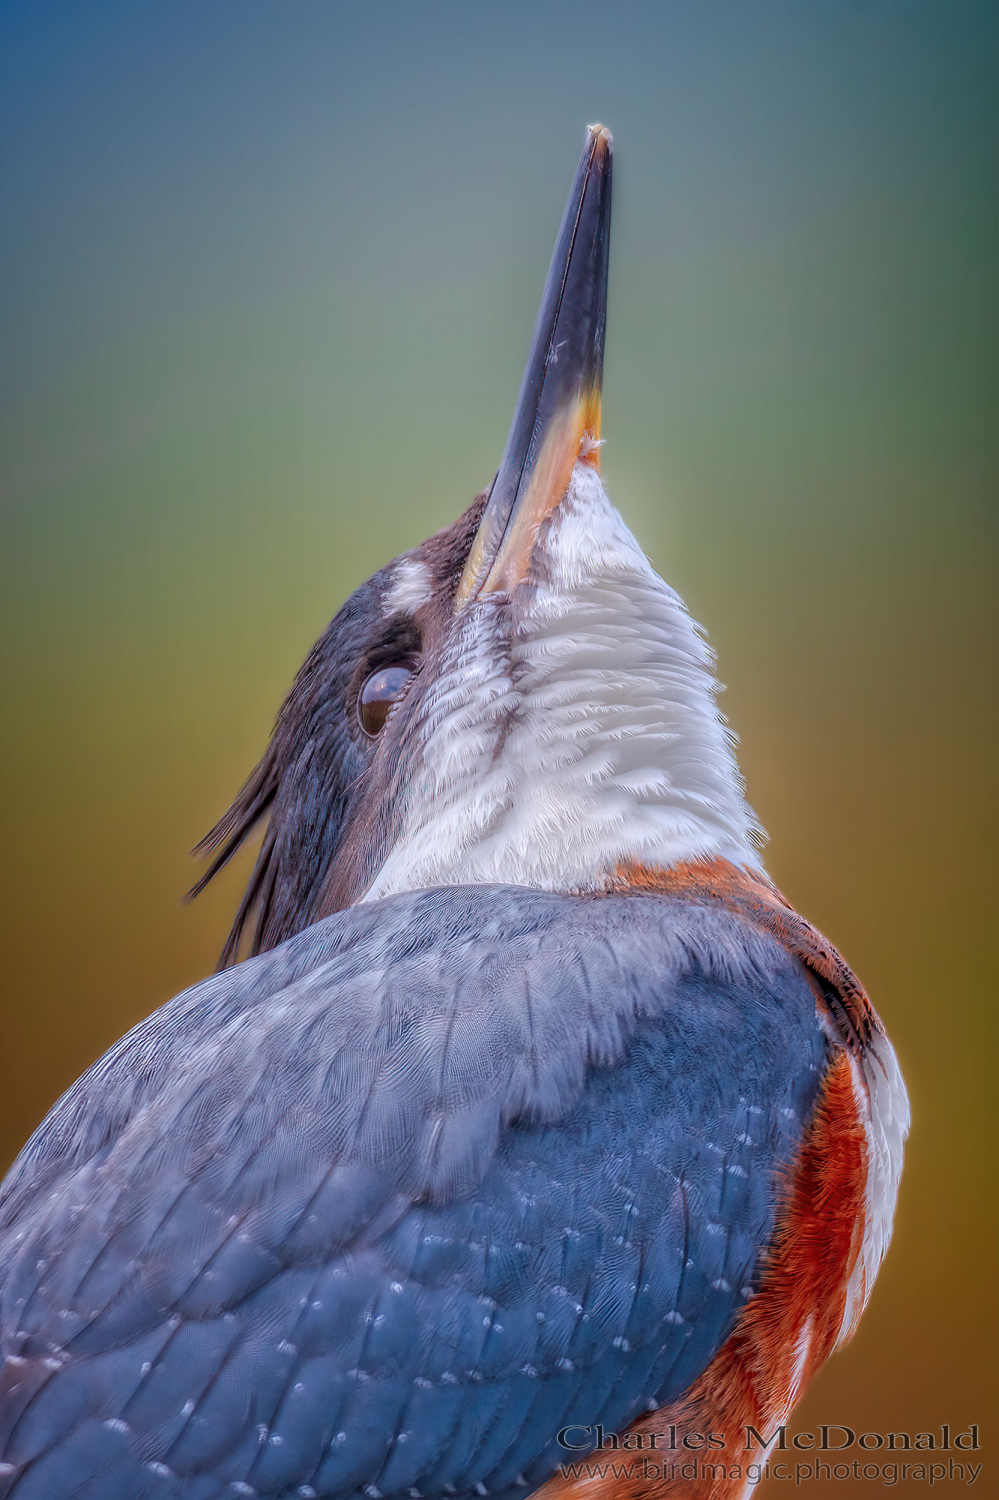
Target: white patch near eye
{"points": [[574, 731], [410, 587]]}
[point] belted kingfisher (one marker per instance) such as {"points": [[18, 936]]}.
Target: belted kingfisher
{"points": [[537, 1114]]}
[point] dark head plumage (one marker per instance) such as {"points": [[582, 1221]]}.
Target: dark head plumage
{"points": [[323, 785]]}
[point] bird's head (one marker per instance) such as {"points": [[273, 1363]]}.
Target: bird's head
{"points": [[521, 699]]}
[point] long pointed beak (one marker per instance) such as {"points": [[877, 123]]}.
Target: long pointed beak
{"points": [[557, 419]]}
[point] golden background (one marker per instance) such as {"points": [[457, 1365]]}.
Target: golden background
{"points": [[270, 273]]}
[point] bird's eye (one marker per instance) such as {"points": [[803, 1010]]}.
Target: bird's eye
{"points": [[380, 691]]}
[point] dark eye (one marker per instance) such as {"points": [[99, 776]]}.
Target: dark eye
{"points": [[380, 691]]}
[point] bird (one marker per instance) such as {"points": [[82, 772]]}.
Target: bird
{"points": [[533, 1120]]}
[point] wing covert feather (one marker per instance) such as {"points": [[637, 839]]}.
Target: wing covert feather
{"points": [[385, 1208]]}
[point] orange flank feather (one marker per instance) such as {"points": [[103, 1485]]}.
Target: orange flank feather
{"points": [[795, 1320], [781, 1337]]}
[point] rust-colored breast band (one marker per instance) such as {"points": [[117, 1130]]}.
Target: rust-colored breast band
{"points": [[756, 900]]}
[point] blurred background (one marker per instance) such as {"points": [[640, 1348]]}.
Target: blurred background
{"points": [[270, 274]]}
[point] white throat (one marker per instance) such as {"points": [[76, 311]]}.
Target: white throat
{"points": [[574, 731]]}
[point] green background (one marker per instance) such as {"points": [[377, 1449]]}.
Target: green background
{"points": [[269, 277]]}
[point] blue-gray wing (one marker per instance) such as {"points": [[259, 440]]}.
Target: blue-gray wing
{"points": [[381, 1211]]}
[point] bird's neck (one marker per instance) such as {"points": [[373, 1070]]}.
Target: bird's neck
{"points": [[574, 731]]}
